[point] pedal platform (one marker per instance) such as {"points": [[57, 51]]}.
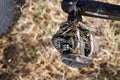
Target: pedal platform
{"points": [[74, 42]]}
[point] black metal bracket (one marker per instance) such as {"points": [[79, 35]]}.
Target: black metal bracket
{"points": [[93, 9]]}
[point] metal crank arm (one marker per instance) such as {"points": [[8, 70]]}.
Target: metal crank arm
{"points": [[93, 8]]}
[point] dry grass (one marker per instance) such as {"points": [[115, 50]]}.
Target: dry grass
{"points": [[37, 59]]}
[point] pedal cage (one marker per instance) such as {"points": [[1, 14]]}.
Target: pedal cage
{"points": [[75, 43]]}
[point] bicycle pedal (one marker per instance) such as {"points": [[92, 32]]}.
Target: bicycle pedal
{"points": [[72, 47]]}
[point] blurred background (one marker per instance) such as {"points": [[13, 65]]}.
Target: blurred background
{"points": [[28, 54]]}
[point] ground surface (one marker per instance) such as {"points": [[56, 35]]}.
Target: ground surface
{"points": [[28, 54]]}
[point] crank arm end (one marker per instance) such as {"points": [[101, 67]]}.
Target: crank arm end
{"points": [[93, 9]]}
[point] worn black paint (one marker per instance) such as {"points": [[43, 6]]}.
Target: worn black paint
{"points": [[93, 9]]}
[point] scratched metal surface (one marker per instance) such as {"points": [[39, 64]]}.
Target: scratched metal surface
{"points": [[94, 9]]}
